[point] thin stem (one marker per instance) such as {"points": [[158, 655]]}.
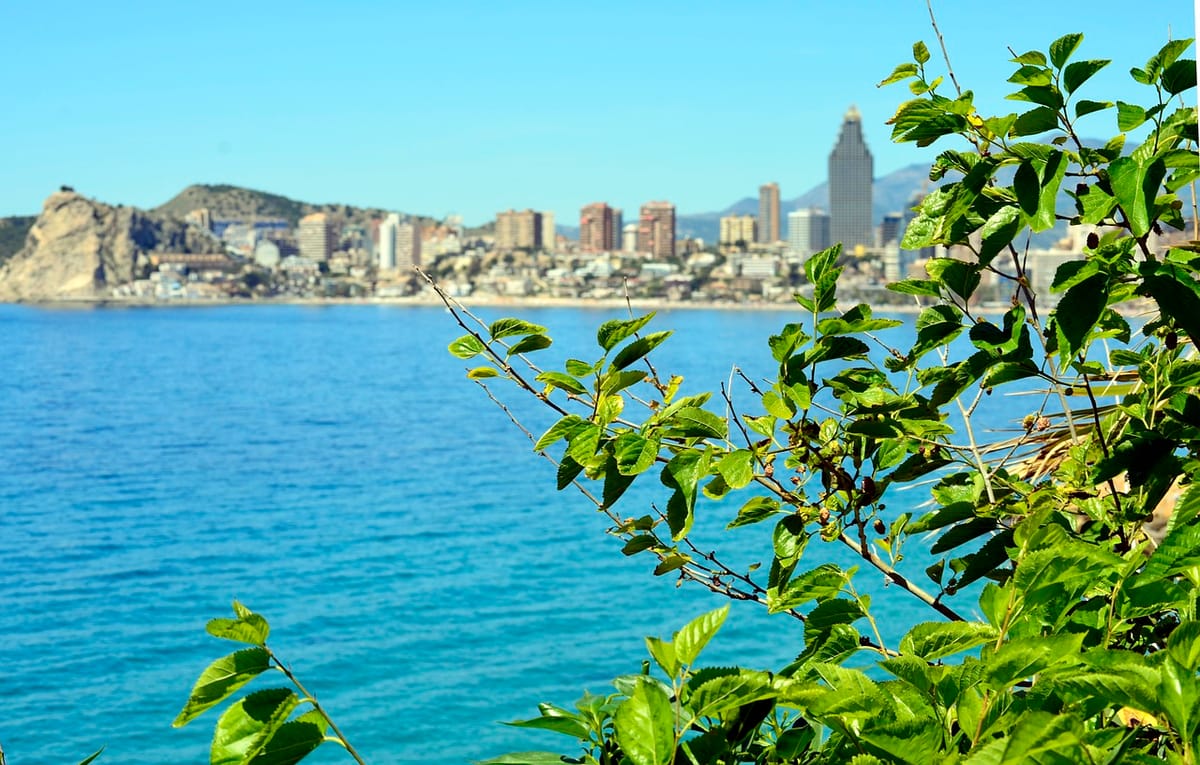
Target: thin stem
{"points": [[341, 737], [942, 43]]}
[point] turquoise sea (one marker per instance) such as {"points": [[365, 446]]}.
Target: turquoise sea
{"points": [[332, 468]]}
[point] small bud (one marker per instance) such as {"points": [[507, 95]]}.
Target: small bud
{"points": [[879, 527], [1093, 241]]}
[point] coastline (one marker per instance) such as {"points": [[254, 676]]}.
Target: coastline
{"points": [[427, 301]]}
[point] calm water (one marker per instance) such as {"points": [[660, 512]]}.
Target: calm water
{"points": [[331, 468]]}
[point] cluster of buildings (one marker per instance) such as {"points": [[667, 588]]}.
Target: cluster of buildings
{"points": [[755, 258]]}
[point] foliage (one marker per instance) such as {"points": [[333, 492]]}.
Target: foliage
{"points": [[1078, 541], [261, 728]]}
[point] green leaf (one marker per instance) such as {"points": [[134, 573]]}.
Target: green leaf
{"points": [[1129, 116], [251, 628], [727, 693], [921, 287], [920, 52], [527, 758], [998, 232], [937, 640], [1034, 122], [640, 543], [222, 678], [466, 347], [577, 368], [614, 380], [645, 725], [831, 612], [691, 639], [568, 471], [1135, 184], [502, 328], [92, 757], [901, 72], [1021, 658], [244, 729], [555, 720], [1184, 645], [529, 344], [613, 332], [293, 741], [663, 653], [635, 453], [754, 511], [1085, 107], [1062, 48], [1032, 58], [1077, 314], [482, 373], [1080, 72], [1031, 75], [691, 421], [823, 582], [562, 382], [1179, 76], [958, 277], [583, 443], [566, 427], [638, 348], [671, 563], [737, 468]]}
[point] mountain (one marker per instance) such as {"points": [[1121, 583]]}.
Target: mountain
{"points": [[80, 248], [891, 193], [234, 202]]}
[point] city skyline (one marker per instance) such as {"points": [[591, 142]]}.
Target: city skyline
{"points": [[131, 107]]}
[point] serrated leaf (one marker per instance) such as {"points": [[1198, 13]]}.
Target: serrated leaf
{"points": [[562, 381], [737, 468], [635, 453], [1135, 184], [754, 511], [726, 693], [1129, 116], [1179, 76], [1079, 72], [564, 428], [1085, 107], [244, 728], [251, 629], [937, 640], [638, 348], [1062, 48], [645, 725], [294, 741], [220, 679], [693, 636], [613, 332], [998, 232], [693, 421], [502, 328]]}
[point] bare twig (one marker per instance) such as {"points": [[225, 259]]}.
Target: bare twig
{"points": [[942, 43]]}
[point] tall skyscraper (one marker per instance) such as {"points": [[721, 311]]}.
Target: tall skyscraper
{"points": [[317, 237], [596, 228], [548, 236], [768, 213], [851, 170], [387, 242], [618, 226], [808, 232], [656, 229]]}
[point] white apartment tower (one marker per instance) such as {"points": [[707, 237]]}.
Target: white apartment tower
{"points": [[408, 245], [387, 242]]}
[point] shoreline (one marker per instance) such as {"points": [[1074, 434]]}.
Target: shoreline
{"points": [[477, 301]]}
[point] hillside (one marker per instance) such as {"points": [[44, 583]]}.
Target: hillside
{"points": [[233, 202], [12, 234]]}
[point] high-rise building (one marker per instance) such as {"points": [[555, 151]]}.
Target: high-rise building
{"points": [[851, 170], [892, 228], [618, 226], [387, 242], [317, 237], [768, 213], [629, 237], [549, 237], [738, 232], [408, 246], [656, 229], [808, 232], [521, 230], [596, 232]]}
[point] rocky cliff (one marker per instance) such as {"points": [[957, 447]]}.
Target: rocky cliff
{"points": [[80, 248]]}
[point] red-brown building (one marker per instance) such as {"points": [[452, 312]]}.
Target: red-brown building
{"points": [[596, 232]]}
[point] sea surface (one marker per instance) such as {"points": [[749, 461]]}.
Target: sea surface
{"points": [[332, 468]]}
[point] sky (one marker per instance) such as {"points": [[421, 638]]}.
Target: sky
{"points": [[471, 107]]}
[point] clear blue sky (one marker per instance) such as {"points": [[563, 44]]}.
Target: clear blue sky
{"points": [[473, 107]]}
